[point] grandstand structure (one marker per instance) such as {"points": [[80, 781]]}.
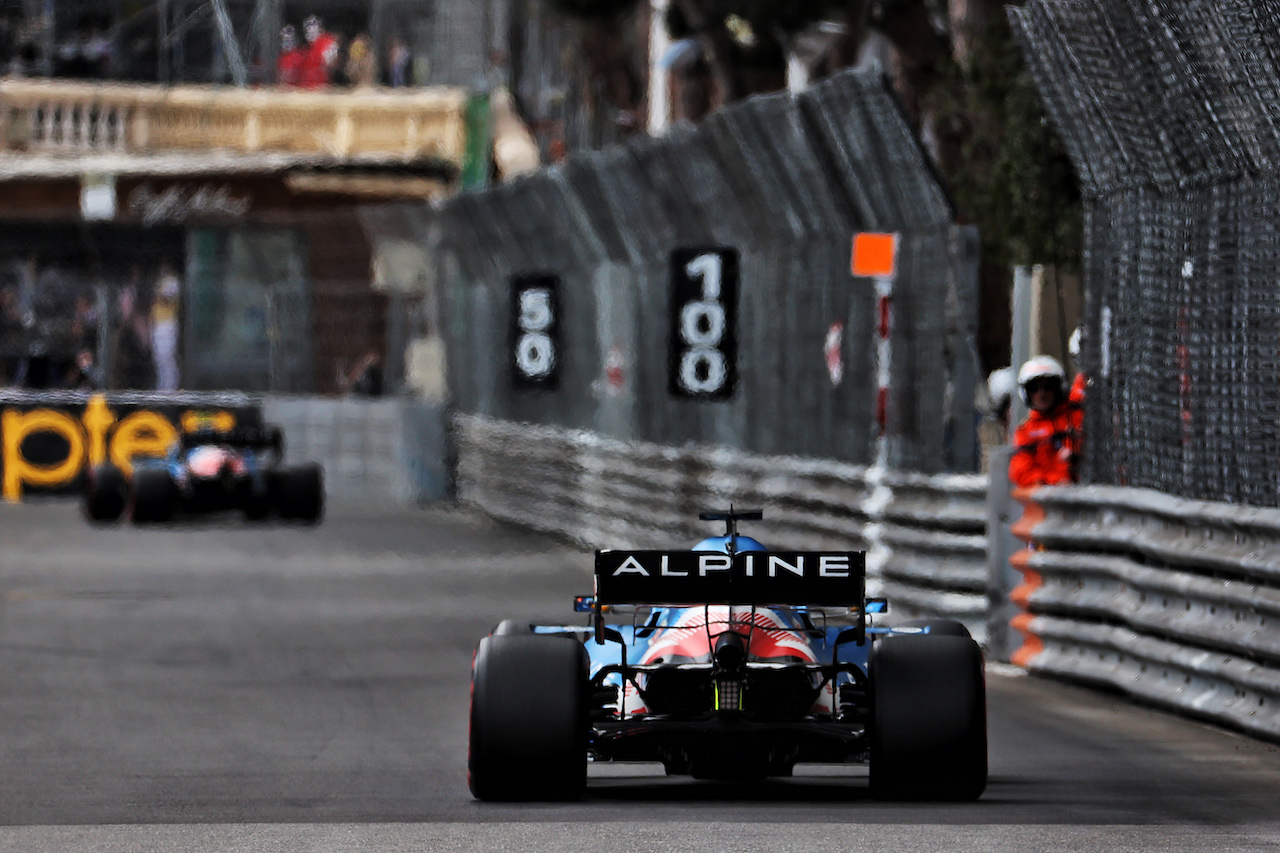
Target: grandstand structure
{"points": [[139, 135], [237, 41]]}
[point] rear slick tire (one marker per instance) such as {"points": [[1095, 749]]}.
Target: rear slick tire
{"points": [[529, 725], [299, 493], [106, 493], [152, 496], [928, 722]]}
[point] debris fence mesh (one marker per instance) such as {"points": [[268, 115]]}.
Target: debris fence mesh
{"points": [[780, 183], [1168, 112]]}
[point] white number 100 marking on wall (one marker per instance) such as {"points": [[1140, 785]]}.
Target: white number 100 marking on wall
{"points": [[703, 369]]}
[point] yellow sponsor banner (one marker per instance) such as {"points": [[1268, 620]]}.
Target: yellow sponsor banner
{"points": [[45, 445]]}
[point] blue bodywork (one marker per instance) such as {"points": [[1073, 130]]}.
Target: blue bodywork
{"points": [[228, 491], [637, 637]]}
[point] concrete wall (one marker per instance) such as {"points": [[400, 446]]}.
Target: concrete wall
{"points": [[376, 450]]}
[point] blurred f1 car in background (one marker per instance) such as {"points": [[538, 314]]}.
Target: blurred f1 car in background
{"points": [[209, 471], [729, 662]]}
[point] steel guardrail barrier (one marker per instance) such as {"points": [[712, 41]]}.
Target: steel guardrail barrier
{"points": [[566, 295], [924, 535], [1175, 602]]}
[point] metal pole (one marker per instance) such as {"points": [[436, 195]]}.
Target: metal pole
{"points": [[48, 19], [230, 47], [1002, 509], [162, 42], [1021, 343], [267, 21], [965, 455], [1002, 578], [378, 35]]}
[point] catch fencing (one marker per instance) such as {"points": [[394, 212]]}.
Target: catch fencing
{"points": [[164, 298], [388, 451], [1168, 112], [697, 288], [924, 535], [1172, 601]]}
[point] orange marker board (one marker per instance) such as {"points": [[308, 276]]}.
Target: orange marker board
{"points": [[873, 254]]}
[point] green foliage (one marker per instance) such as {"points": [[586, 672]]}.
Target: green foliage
{"points": [[1012, 177], [1000, 156]]}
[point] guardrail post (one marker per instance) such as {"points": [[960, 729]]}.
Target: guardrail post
{"points": [[1002, 577]]}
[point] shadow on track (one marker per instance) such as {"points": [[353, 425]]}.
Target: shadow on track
{"points": [[663, 789]]}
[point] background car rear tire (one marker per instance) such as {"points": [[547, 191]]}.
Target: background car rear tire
{"points": [[106, 493], [529, 697], [300, 493], [928, 722], [152, 496], [257, 505]]}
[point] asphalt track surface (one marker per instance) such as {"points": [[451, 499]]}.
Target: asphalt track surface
{"points": [[221, 686]]}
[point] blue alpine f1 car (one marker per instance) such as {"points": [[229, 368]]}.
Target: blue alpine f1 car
{"points": [[729, 662], [209, 471]]}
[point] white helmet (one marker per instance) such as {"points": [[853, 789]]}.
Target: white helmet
{"points": [[1073, 344], [1040, 367], [1000, 386]]}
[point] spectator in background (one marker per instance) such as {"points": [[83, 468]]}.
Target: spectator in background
{"points": [[1079, 385], [365, 378], [362, 65], [164, 328], [99, 52], [1000, 386], [85, 375], [421, 65], [8, 39], [49, 342], [321, 55], [84, 324], [398, 59], [12, 338], [68, 56], [1048, 443], [131, 351], [993, 425], [289, 63]]}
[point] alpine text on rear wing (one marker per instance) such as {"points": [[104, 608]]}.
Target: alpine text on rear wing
{"points": [[820, 578]]}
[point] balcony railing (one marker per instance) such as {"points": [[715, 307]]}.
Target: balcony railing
{"points": [[76, 118]]}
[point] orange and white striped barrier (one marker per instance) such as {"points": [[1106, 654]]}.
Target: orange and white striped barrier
{"points": [[1024, 528]]}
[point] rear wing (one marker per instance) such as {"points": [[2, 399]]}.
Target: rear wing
{"points": [[259, 438], [819, 578]]}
